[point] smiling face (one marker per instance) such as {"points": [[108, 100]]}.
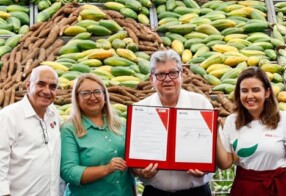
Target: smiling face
{"points": [[168, 89], [42, 90], [93, 104], [253, 95]]}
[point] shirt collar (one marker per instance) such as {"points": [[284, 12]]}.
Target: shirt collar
{"points": [[181, 100], [29, 110], [87, 123]]}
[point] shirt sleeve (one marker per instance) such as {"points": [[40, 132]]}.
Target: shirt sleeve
{"points": [[224, 135], [7, 139], [71, 171]]}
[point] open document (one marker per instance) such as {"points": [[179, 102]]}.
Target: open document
{"points": [[175, 138]]}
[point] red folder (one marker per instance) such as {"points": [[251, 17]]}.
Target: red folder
{"points": [[169, 121]]}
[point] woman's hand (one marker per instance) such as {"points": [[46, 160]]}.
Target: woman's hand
{"points": [[116, 163]]}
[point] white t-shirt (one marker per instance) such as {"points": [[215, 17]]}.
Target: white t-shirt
{"points": [[28, 166], [170, 180], [257, 147]]}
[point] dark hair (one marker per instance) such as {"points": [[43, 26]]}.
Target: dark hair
{"points": [[270, 116]]}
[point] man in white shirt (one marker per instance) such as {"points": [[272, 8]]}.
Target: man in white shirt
{"points": [[166, 78], [30, 139]]}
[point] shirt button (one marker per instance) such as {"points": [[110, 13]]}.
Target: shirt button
{"points": [[109, 140], [115, 151], [105, 137], [117, 182]]}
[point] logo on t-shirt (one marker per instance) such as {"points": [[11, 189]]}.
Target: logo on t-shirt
{"points": [[244, 152]]}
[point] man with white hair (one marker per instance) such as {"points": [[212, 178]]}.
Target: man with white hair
{"points": [[30, 139]]}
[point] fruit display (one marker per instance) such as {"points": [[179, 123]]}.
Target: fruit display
{"points": [[114, 40], [14, 19]]}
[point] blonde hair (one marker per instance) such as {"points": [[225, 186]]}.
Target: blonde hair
{"points": [[114, 122]]}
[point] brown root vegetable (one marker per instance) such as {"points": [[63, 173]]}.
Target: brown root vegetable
{"points": [[215, 104], [223, 112], [9, 84], [69, 10], [157, 38], [134, 29], [18, 59], [33, 65], [133, 22], [35, 26], [18, 77], [145, 28], [116, 99], [48, 24], [58, 43], [147, 48], [2, 96], [20, 93], [12, 96], [140, 85], [190, 88], [56, 51], [62, 29], [42, 54], [24, 54], [51, 57], [16, 85], [7, 97], [5, 66], [150, 86], [70, 20], [188, 79], [148, 43], [53, 35], [24, 82], [18, 99], [132, 34], [61, 92], [133, 98], [61, 10], [58, 18], [121, 22], [8, 79], [12, 58], [64, 101], [30, 41], [146, 37], [28, 64], [28, 34], [123, 97], [114, 14], [226, 103], [44, 33], [149, 91], [32, 54]]}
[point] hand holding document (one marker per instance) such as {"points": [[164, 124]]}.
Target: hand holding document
{"points": [[173, 137]]}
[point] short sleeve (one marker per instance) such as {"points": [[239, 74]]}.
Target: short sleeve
{"points": [[225, 136]]}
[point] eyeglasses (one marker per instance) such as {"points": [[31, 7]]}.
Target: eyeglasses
{"points": [[44, 129], [87, 94], [171, 74]]}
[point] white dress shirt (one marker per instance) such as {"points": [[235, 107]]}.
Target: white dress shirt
{"points": [[29, 166], [171, 180]]}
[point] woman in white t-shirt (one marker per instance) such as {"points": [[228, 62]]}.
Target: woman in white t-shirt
{"points": [[254, 138]]}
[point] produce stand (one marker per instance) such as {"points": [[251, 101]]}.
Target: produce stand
{"points": [[128, 83]]}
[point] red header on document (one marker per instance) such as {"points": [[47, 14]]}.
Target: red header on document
{"points": [[175, 138]]}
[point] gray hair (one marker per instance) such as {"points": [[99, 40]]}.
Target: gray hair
{"points": [[165, 56], [36, 72]]}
